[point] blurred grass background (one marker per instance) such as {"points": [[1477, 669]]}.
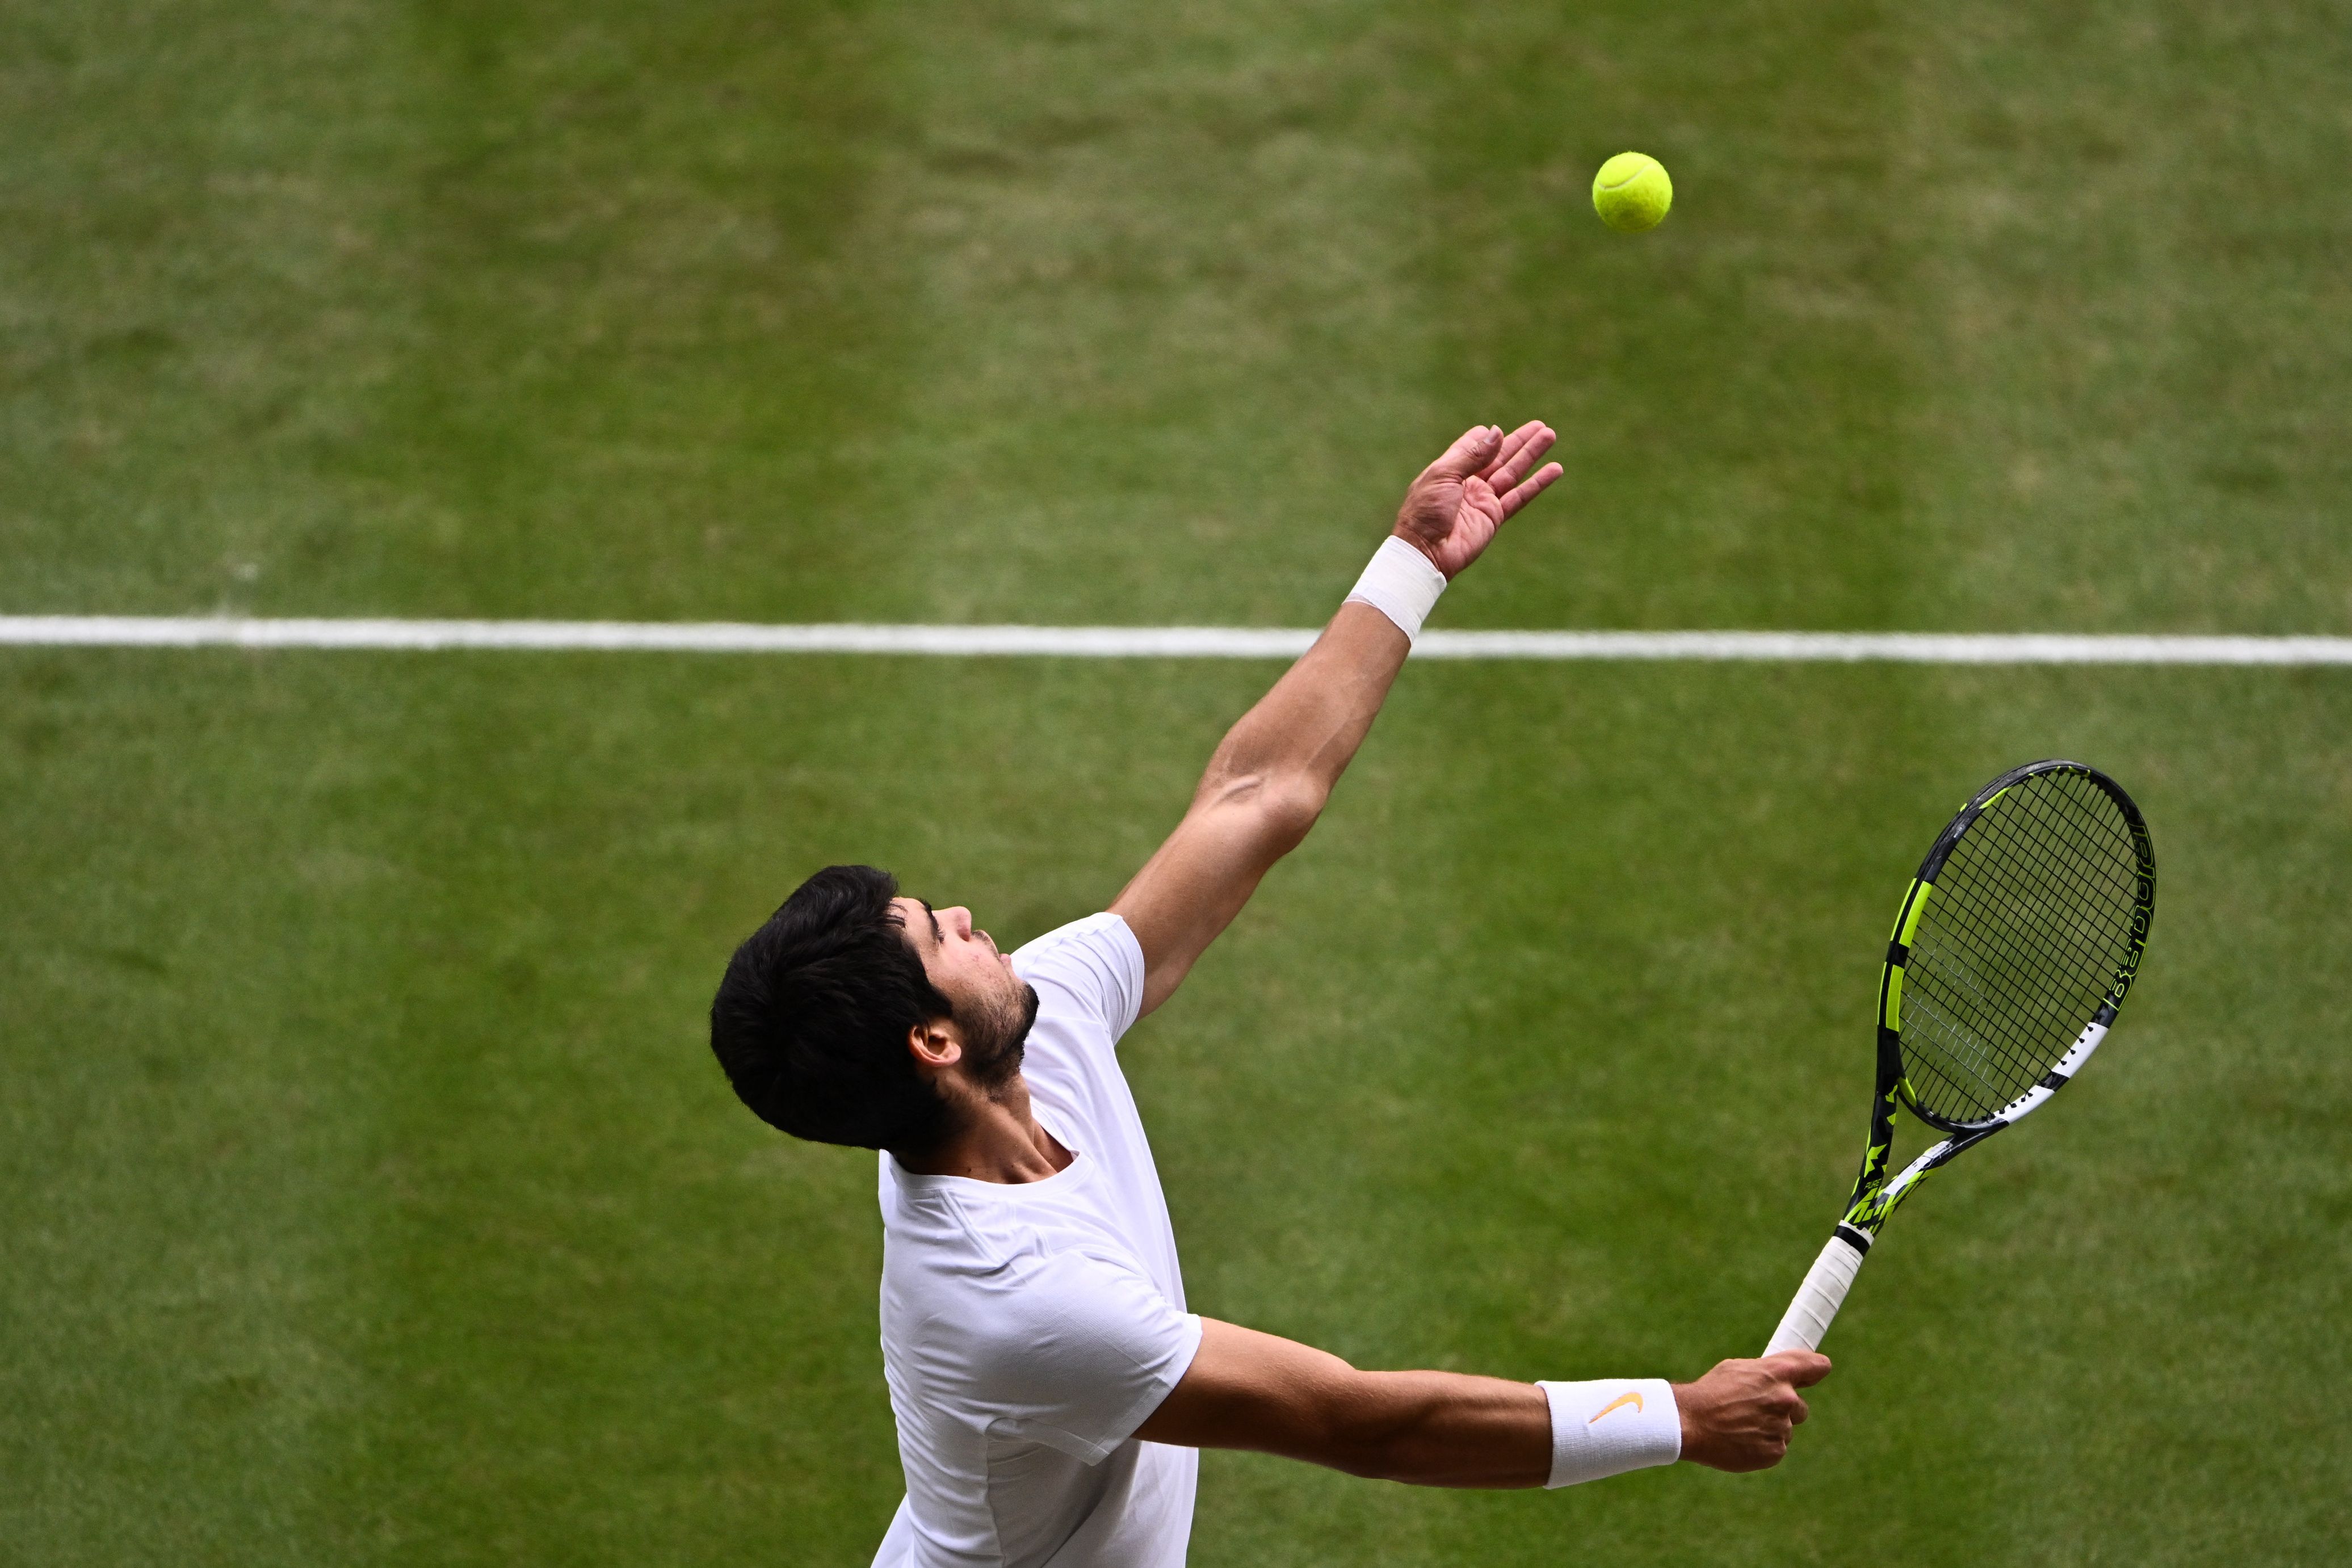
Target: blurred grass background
{"points": [[365, 1192]]}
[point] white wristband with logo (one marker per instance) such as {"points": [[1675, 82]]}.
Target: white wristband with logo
{"points": [[1402, 583], [1609, 1425]]}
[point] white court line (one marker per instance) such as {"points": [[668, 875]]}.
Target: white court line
{"points": [[1154, 642]]}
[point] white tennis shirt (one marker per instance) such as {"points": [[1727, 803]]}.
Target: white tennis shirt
{"points": [[1028, 1329]]}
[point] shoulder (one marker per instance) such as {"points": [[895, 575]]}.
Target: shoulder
{"points": [[931, 1230], [1096, 963]]}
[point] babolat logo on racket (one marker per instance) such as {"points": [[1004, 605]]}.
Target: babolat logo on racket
{"points": [[2143, 915], [2012, 948]]}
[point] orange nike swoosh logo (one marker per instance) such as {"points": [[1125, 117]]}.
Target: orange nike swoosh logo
{"points": [[1618, 1404]]}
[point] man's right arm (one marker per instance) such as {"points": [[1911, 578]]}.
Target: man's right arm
{"points": [[1273, 1395]]}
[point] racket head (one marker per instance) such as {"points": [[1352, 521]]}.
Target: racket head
{"points": [[2025, 926]]}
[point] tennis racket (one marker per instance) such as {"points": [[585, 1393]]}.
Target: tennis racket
{"points": [[2011, 953]]}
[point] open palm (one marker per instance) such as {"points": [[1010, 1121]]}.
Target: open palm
{"points": [[1454, 509]]}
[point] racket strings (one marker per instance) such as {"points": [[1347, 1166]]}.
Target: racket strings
{"points": [[2028, 924], [1972, 1045], [1996, 979], [2084, 871], [2015, 959], [1978, 1022], [2076, 872]]}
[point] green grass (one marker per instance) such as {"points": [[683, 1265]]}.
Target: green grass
{"points": [[372, 1198], [1991, 316], [366, 1194]]}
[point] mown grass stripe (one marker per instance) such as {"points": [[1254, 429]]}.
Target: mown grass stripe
{"points": [[1154, 642]]}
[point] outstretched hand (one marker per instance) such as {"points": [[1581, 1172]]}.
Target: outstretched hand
{"points": [[1453, 510], [1739, 1416]]}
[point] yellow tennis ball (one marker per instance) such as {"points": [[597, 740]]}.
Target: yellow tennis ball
{"points": [[1631, 193]]}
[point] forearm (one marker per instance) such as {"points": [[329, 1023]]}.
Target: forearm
{"points": [[1441, 1429], [1257, 1391], [1303, 732], [1273, 1395]]}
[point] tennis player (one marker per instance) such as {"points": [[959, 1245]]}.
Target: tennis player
{"points": [[1051, 1388]]}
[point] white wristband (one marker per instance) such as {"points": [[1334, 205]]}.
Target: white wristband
{"points": [[1609, 1425], [1401, 584]]}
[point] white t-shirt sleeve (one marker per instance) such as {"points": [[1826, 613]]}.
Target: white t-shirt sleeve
{"points": [[1080, 1354], [1096, 963]]}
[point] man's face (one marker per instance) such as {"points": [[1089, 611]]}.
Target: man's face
{"points": [[994, 1006]]}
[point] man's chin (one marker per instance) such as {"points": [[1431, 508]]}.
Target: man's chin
{"points": [[1008, 1048]]}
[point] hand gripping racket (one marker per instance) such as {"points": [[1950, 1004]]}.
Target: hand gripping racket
{"points": [[2011, 952]]}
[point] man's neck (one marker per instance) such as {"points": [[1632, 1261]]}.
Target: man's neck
{"points": [[996, 1139]]}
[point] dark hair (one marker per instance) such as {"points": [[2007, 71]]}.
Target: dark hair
{"points": [[811, 1020]]}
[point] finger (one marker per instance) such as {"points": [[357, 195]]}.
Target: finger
{"points": [[1521, 450], [1470, 452], [1513, 445], [1800, 1368], [1533, 452], [1797, 1417], [1521, 495]]}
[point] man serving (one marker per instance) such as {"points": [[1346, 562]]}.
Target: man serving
{"points": [[1051, 1390]]}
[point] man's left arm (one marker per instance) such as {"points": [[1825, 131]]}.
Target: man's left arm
{"points": [[1269, 778], [1273, 1395]]}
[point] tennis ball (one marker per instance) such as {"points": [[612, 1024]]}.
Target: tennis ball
{"points": [[1631, 193]]}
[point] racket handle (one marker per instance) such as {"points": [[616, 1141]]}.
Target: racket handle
{"points": [[1818, 1299]]}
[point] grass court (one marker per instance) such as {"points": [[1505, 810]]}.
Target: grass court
{"points": [[367, 1193]]}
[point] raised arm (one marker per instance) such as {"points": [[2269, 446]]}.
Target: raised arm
{"points": [[1273, 1395], [1268, 779]]}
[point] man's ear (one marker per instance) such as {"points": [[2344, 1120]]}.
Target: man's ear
{"points": [[936, 1046]]}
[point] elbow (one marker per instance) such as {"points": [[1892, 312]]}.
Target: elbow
{"points": [[1354, 1447], [1377, 1456], [1285, 805], [1291, 811], [1365, 1436], [1374, 1464]]}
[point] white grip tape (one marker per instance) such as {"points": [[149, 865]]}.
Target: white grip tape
{"points": [[1818, 1299]]}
